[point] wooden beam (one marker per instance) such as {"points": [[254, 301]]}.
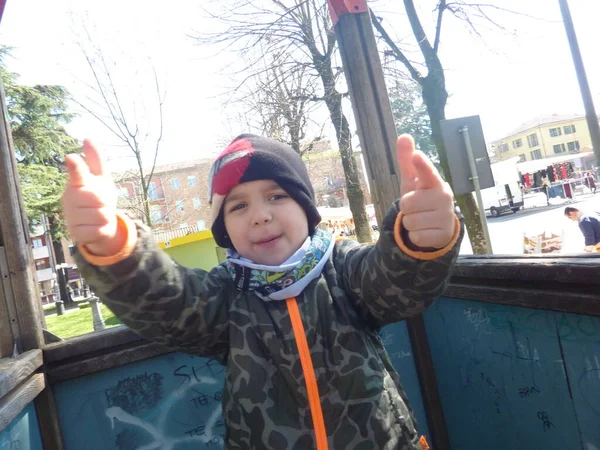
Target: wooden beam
{"points": [[23, 293], [48, 420], [581, 270], [12, 405], [6, 334], [371, 107], [377, 133], [14, 370], [91, 344], [66, 371], [568, 299], [427, 378]]}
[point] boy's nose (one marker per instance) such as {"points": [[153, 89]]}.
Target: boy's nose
{"points": [[262, 215]]}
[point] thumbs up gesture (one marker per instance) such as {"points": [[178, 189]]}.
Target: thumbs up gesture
{"points": [[426, 201], [90, 203]]}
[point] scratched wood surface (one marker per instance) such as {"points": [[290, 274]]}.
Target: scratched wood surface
{"points": [[517, 378], [23, 432], [13, 371], [171, 402], [175, 400]]}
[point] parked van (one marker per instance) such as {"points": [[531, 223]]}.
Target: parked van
{"points": [[506, 195]]}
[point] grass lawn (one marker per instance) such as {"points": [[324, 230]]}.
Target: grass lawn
{"points": [[78, 322]]}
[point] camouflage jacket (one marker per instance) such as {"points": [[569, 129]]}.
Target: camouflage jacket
{"points": [[265, 401]]}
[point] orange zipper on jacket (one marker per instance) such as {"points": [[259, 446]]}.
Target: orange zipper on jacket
{"points": [[314, 399]]}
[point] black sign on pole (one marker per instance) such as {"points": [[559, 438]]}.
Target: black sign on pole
{"points": [[458, 160]]}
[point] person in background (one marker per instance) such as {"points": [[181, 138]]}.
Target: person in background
{"points": [[589, 224], [591, 181]]}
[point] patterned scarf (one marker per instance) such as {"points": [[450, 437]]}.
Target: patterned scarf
{"points": [[287, 280]]}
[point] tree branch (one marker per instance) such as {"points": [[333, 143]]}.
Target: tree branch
{"points": [[438, 26], [398, 54], [160, 115], [418, 31]]}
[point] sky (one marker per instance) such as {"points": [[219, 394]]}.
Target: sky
{"points": [[507, 76]]}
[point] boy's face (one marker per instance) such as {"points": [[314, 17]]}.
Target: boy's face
{"points": [[264, 223]]}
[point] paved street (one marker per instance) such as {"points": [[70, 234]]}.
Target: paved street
{"points": [[507, 231]]}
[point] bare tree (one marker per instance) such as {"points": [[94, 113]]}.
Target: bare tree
{"points": [[433, 85], [301, 30], [279, 103], [127, 119]]}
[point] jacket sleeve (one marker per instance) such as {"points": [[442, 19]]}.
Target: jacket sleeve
{"points": [[386, 284], [588, 231], [180, 308]]}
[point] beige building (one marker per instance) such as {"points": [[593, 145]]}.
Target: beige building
{"points": [[545, 137]]}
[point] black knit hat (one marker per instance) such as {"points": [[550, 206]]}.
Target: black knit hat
{"points": [[252, 158]]}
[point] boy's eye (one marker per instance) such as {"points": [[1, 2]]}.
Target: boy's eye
{"points": [[278, 196], [237, 207]]}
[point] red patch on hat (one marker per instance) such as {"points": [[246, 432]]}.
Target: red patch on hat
{"points": [[236, 146], [230, 175], [233, 166]]}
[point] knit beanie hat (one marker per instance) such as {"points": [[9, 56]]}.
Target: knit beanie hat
{"points": [[251, 158]]}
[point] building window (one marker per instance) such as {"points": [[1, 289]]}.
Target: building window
{"points": [[179, 206], [42, 264], [517, 143], [201, 225], [152, 192], [175, 184], [555, 132], [532, 140], [197, 203], [503, 148], [37, 243], [123, 192], [191, 181], [569, 129], [156, 213], [536, 154], [573, 146], [559, 148], [183, 225], [522, 157]]}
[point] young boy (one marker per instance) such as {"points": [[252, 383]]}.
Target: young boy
{"points": [[293, 314]]}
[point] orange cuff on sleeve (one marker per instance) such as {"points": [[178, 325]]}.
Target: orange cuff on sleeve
{"points": [[126, 225], [425, 256]]}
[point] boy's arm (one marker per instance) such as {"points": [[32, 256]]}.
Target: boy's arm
{"points": [[180, 308], [389, 283]]}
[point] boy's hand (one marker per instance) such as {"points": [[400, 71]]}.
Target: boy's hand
{"points": [[426, 201], [90, 204]]}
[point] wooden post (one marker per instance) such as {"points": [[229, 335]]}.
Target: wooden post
{"points": [[584, 86], [377, 133], [19, 282], [19, 297]]}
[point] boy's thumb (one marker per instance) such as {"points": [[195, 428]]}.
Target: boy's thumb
{"points": [[77, 169]]}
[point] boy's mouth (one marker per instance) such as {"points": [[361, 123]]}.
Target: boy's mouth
{"points": [[268, 242]]}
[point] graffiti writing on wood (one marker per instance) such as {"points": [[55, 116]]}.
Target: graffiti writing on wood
{"points": [[133, 395], [543, 416], [528, 391], [11, 445]]}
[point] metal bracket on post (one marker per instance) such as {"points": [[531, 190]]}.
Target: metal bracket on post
{"points": [[475, 178], [338, 8]]}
